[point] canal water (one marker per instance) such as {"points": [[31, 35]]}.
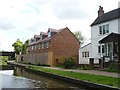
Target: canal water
{"points": [[21, 78]]}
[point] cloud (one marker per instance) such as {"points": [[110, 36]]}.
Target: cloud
{"points": [[71, 10], [37, 26], [6, 24], [24, 18]]}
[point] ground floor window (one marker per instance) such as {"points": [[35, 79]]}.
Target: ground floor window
{"points": [[85, 54]]}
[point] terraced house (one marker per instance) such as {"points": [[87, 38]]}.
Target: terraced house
{"points": [[52, 47]]}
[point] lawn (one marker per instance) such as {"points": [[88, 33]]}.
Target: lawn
{"points": [[111, 81]]}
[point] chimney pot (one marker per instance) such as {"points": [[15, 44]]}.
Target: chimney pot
{"points": [[100, 11]]}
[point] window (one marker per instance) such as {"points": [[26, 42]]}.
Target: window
{"points": [[40, 36], [82, 54], [88, 54], [42, 45], [99, 49], [47, 44], [103, 48], [85, 54], [107, 28], [104, 29], [49, 34], [100, 30]]}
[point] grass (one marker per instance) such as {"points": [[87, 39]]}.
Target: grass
{"points": [[111, 81]]}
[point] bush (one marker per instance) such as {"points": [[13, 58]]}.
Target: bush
{"points": [[69, 63], [114, 67], [85, 68]]}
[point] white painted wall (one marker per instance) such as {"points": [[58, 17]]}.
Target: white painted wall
{"points": [[119, 25], [86, 48], [95, 37]]}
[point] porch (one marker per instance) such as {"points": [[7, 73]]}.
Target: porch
{"points": [[111, 48]]}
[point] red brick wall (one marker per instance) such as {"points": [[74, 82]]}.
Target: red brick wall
{"points": [[64, 45]]}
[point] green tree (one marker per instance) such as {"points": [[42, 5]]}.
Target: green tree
{"points": [[24, 47], [18, 46], [79, 36]]}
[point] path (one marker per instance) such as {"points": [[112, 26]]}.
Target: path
{"points": [[96, 72]]}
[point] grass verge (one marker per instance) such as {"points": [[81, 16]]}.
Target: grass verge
{"points": [[111, 81]]}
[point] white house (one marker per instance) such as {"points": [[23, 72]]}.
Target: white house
{"points": [[103, 26], [84, 54]]}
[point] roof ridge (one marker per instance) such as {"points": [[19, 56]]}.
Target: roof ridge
{"points": [[113, 14]]}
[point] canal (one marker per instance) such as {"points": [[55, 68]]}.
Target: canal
{"points": [[21, 78]]}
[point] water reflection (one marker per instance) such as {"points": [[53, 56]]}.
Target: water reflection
{"points": [[15, 82], [47, 82]]}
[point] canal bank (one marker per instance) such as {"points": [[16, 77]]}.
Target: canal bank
{"points": [[65, 78], [22, 79]]}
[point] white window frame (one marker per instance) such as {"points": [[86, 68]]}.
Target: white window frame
{"points": [[103, 29]]}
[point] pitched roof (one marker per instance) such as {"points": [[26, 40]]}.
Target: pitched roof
{"points": [[49, 38], [37, 36], [85, 45], [114, 14], [113, 37], [53, 30], [43, 33]]}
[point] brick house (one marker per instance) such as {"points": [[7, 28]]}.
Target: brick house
{"points": [[52, 48]]}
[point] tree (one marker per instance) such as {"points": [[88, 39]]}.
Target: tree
{"points": [[24, 47], [18, 46], [79, 36]]}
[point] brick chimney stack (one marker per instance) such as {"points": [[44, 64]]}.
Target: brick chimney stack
{"points": [[100, 11]]}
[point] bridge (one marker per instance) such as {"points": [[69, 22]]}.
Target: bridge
{"points": [[11, 55]]}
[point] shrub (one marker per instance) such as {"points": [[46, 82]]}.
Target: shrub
{"points": [[69, 63], [114, 67]]}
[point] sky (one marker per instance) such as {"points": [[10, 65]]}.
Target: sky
{"points": [[22, 19]]}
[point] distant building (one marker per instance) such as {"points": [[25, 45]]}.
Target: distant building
{"points": [[52, 48]]}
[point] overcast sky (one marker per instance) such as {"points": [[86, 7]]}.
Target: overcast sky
{"points": [[24, 18]]}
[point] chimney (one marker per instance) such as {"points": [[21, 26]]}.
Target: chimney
{"points": [[100, 11]]}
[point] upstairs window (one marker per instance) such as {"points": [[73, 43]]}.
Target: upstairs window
{"points": [[40, 36], [104, 29], [49, 34], [100, 30]]}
